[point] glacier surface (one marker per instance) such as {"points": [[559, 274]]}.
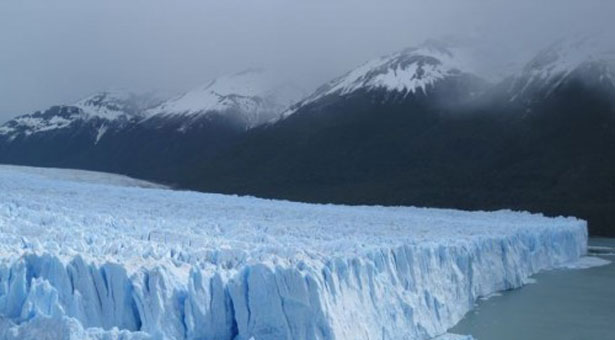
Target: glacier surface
{"points": [[85, 258]]}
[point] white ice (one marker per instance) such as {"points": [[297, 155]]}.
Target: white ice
{"points": [[588, 262], [83, 259], [449, 336]]}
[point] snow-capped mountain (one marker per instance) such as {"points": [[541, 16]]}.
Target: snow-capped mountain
{"points": [[142, 135], [412, 71], [55, 118], [587, 59], [98, 111], [248, 98]]}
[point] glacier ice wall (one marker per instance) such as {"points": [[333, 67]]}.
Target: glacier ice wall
{"points": [[89, 261]]}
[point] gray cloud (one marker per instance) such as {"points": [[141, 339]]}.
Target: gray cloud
{"points": [[58, 51]]}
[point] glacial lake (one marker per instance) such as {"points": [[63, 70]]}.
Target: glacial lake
{"points": [[565, 304]]}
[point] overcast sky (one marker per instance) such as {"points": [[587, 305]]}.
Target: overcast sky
{"points": [[54, 52]]}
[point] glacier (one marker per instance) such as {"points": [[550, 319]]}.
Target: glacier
{"points": [[103, 257]]}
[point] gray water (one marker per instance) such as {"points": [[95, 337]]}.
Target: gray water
{"points": [[562, 305]]}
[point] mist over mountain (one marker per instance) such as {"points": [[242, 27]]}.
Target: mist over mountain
{"points": [[61, 52]]}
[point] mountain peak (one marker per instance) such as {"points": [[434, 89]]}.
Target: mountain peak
{"points": [[112, 104], [568, 54], [553, 65], [408, 71], [253, 96], [108, 106]]}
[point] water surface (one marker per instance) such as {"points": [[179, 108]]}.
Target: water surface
{"points": [[562, 305]]}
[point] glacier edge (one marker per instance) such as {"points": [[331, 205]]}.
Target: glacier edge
{"points": [[410, 292]]}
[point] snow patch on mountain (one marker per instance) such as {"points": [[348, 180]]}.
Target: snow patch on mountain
{"points": [[409, 71], [100, 133], [89, 260], [253, 96]]}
